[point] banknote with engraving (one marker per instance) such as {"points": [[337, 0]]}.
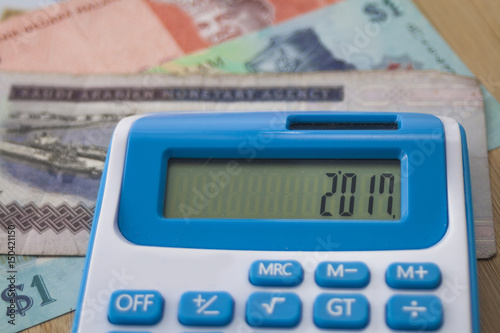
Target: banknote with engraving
{"points": [[355, 34], [55, 129], [127, 36], [199, 24]]}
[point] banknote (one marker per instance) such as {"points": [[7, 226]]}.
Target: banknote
{"points": [[34, 290], [10, 8], [355, 34], [54, 131], [8, 12], [86, 36], [128, 36], [198, 24]]}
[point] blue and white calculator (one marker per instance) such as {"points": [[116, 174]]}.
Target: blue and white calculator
{"points": [[283, 222]]}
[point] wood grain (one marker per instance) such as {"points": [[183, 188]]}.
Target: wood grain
{"points": [[472, 29], [489, 270]]}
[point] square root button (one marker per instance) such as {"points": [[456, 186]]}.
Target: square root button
{"points": [[342, 311], [199, 308], [265, 309], [135, 307]]}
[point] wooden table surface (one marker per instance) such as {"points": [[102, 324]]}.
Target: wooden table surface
{"points": [[472, 29]]}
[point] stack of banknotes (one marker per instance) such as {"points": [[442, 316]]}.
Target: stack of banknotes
{"points": [[70, 70]]}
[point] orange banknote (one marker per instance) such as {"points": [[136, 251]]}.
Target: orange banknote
{"points": [[128, 36], [199, 24], [86, 36]]}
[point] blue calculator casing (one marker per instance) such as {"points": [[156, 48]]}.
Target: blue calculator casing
{"points": [[138, 259]]}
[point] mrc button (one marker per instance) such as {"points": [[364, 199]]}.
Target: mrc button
{"points": [[135, 307], [342, 274], [282, 273], [413, 276]]}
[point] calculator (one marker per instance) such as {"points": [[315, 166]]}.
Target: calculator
{"points": [[282, 222]]}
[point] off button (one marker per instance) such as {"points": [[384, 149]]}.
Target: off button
{"points": [[279, 273], [135, 307]]}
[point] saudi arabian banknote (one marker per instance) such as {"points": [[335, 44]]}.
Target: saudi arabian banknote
{"points": [[54, 131], [128, 36], [350, 35], [34, 290]]}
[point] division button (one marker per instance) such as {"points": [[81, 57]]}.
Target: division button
{"points": [[273, 310], [198, 308], [287, 273], [413, 276], [342, 274], [343, 311], [414, 312], [135, 307]]}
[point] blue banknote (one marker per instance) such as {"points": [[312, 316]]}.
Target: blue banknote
{"points": [[34, 290]]}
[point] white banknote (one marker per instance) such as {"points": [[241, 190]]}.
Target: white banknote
{"points": [[55, 129]]}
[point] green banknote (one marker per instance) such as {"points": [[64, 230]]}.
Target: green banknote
{"points": [[352, 35]]}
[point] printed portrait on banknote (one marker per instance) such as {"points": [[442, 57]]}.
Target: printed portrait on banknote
{"points": [[218, 21]]}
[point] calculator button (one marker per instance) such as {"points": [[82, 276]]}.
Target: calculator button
{"points": [[347, 311], [273, 309], [198, 308], [276, 273], [413, 276], [135, 307], [414, 312], [342, 274]]}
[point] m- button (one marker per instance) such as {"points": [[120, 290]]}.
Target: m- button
{"points": [[283, 273], [342, 274], [413, 276]]}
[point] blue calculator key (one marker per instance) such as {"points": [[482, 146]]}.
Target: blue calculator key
{"points": [[273, 309], [199, 308], [413, 276], [276, 273], [135, 307], [343, 311], [414, 312], [342, 274]]}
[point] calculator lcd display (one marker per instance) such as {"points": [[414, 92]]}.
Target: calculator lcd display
{"points": [[283, 189]]}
